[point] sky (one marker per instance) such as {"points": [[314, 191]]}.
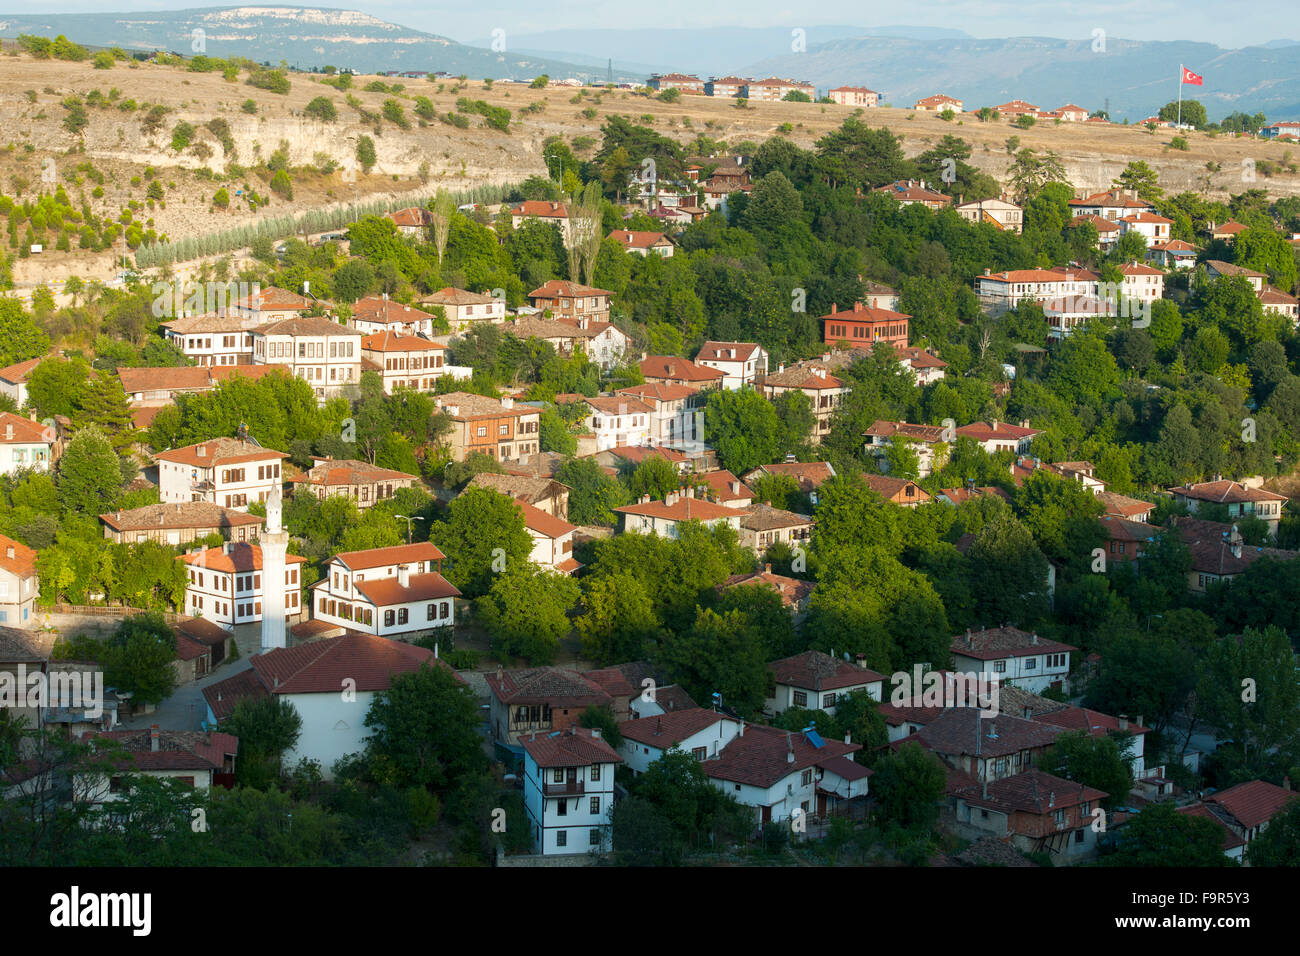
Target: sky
{"points": [[1228, 25]]}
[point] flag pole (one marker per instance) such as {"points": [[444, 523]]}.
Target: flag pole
{"points": [[1181, 74]]}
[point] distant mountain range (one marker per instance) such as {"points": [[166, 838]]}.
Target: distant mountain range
{"points": [[904, 63], [303, 37], [1136, 77], [707, 51]]}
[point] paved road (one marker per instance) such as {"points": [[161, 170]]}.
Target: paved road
{"points": [[186, 709]]}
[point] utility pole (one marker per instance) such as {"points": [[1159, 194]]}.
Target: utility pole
{"points": [[408, 525]]}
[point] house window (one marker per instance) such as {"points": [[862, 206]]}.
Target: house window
{"points": [[402, 615], [558, 775], [595, 773], [388, 618], [806, 778], [593, 837], [800, 698], [562, 807], [1000, 667], [828, 700], [431, 612], [1031, 663], [595, 805], [561, 836], [699, 753]]}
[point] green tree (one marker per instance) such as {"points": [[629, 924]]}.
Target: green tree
{"points": [[89, 479], [1093, 761], [1160, 836], [527, 612], [908, 786], [718, 653], [425, 731], [593, 495], [484, 534], [1279, 844], [618, 618], [267, 727], [139, 657], [366, 156]]}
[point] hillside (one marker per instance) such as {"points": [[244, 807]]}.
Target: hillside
{"points": [[116, 143]]}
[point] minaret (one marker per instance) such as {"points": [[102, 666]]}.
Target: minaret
{"points": [[274, 543]]}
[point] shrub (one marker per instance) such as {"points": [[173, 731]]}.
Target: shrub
{"points": [[322, 108], [281, 185], [103, 60], [249, 106]]}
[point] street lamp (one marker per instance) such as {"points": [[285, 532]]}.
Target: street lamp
{"points": [[408, 525]]}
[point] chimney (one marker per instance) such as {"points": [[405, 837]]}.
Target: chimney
{"points": [[862, 661], [1286, 783], [403, 576], [789, 744], [834, 308], [498, 672], [1033, 639], [160, 517], [9, 552], [735, 487], [659, 726], [201, 451], [9, 432], [153, 738], [645, 499], [507, 402], [595, 732], [848, 737], [741, 732], [1123, 721]]}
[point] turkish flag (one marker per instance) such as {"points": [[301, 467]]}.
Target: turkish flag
{"points": [[1195, 79]]}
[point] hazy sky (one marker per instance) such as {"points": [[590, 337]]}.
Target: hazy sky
{"points": [[1229, 25]]}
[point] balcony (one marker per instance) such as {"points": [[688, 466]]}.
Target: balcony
{"points": [[569, 788]]}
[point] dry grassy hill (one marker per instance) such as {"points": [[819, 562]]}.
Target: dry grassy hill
{"points": [[116, 143]]}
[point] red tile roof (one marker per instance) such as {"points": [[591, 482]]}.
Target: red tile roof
{"points": [[386, 592], [760, 756], [562, 288], [996, 643], [988, 431], [817, 671], [220, 451], [382, 557], [1254, 802], [322, 666], [1093, 721], [16, 557], [809, 474], [544, 524], [19, 371], [177, 749], [541, 209], [665, 730], [792, 590], [1225, 492], [14, 429], [242, 556], [395, 342], [639, 240], [546, 685], [673, 368], [575, 747], [684, 508]]}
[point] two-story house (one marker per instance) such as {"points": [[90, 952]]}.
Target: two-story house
{"points": [[201, 760], [180, 523], [617, 421], [998, 436], [230, 472], [364, 483], [386, 591], [19, 583], [762, 527], [1034, 811], [554, 213], [742, 363], [405, 361], [1013, 657], [25, 444], [539, 700], [782, 774], [544, 494], [552, 539], [465, 309], [1239, 499], [225, 586], [671, 370], [499, 429], [927, 441], [676, 411], [375, 314], [698, 731], [663, 517], [998, 213], [320, 351], [218, 338], [814, 680], [643, 243], [569, 790], [824, 390]]}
